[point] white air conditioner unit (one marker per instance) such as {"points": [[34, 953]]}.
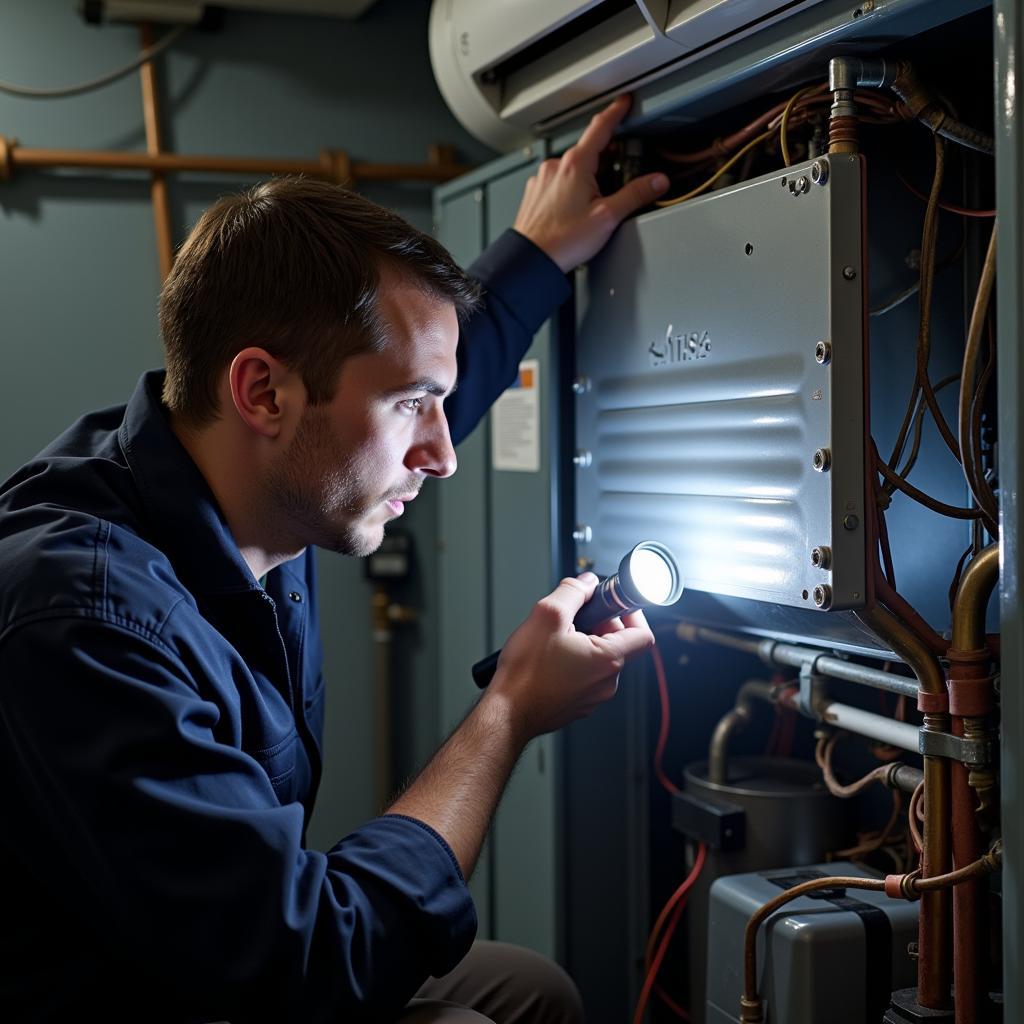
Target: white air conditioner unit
{"points": [[506, 67]]}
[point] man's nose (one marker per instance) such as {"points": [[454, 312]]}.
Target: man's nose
{"points": [[433, 453]]}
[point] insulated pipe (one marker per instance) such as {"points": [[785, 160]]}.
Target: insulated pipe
{"points": [[971, 699], [734, 721], [877, 727], [934, 967]]}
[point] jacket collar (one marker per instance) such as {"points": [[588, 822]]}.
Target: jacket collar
{"points": [[179, 504]]}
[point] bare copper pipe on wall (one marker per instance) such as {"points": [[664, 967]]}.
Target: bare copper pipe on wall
{"points": [[971, 701], [154, 144], [333, 165], [934, 964]]}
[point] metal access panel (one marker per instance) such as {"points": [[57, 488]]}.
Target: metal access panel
{"points": [[720, 390]]}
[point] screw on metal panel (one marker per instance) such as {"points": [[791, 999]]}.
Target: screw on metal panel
{"points": [[802, 184], [823, 352], [582, 534], [581, 385], [582, 458], [850, 522], [822, 595], [849, 273], [822, 460], [784, 181], [819, 172], [821, 558]]}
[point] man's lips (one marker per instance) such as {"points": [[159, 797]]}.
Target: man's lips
{"points": [[397, 505]]}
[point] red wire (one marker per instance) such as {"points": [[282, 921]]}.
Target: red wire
{"points": [[678, 898], [671, 1003], [962, 210], [659, 750]]}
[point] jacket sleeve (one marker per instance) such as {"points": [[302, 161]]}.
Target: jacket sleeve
{"points": [[522, 287], [129, 795]]}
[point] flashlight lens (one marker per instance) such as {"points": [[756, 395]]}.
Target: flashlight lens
{"points": [[652, 575]]}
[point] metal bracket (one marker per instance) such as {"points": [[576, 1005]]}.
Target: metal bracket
{"points": [[944, 744], [812, 691]]}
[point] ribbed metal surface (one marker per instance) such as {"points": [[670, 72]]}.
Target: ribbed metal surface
{"points": [[702, 402]]}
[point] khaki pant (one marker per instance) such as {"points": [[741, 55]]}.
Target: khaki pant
{"points": [[497, 983]]}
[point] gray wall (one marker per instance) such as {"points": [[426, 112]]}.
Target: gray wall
{"points": [[78, 267]]}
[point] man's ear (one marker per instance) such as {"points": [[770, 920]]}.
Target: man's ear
{"points": [[265, 393]]}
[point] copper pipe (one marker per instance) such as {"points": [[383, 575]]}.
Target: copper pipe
{"points": [[899, 606], [971, 699], [154, 144], [967, 955], [16, 156], [976, 586], [934, 965], [735, 720], [751, 1011]]}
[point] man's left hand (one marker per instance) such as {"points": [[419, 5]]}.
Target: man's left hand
{"points": [[562, 210]]}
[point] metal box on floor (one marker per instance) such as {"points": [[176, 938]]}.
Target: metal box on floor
{"points": [[834, 956]]}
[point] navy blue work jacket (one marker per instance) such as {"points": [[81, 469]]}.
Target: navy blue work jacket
{"points": [[160, 727]]}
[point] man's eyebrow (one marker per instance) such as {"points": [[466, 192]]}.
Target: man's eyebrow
{"points": [[431, 385]]}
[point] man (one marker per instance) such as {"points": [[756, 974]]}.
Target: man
{"points": [[160, 688]]}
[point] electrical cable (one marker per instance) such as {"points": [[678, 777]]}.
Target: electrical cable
{"points": [[963, 211], [721, 170], [151, 52], [784, 124], [823, 758], [659, 749], [927, 284], [914, 815], [970, 442], [952, 511], [675, 906], [924, 305]]}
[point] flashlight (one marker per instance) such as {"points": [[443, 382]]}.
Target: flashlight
{"points": [[648, 575]]}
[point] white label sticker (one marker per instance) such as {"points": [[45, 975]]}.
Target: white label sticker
{"points": [[515, 423]]}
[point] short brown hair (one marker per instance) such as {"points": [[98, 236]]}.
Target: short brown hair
{"points": [[292, 265]]}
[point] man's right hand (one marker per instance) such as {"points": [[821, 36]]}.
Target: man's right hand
{"points": [[549, 674]]}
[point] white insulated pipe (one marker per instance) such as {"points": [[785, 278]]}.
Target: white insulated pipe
{"points": [[878, 727]]}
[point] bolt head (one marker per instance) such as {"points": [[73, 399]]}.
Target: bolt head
{"points": [[823, 352], [580, 386], [849, 273], [822, 460], [821, 557], [582, 458], [819, 172], [850, 522], [802, 184], [582, 534], [822, 595]]}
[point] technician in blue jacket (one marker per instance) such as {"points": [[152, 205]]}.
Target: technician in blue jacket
{"points": [[161, 695]]}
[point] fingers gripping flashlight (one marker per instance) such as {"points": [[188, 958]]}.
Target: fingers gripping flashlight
{"points": [[648, 575]]}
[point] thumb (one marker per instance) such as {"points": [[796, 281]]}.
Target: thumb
{"points": [[571, 594], [636, 195]]}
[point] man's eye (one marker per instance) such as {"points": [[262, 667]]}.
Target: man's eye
{"points": [[412, 404]]}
